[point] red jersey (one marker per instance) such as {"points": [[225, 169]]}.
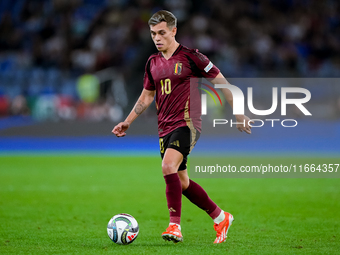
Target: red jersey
{"points": [[171, 80]]}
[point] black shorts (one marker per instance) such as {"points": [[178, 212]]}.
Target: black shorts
{"points": [[181, 139]]}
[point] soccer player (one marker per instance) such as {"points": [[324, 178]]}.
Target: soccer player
{"points": [[167, 76]]}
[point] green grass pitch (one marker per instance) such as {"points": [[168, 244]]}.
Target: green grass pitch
{"points": [[62, 204]]}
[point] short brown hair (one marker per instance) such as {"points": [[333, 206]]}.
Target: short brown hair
{"points": [[163, 15]]}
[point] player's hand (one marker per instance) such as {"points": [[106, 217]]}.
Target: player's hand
{"points": [[244, 127], [120, 129]]}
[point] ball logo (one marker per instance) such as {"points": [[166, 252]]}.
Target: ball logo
{"points": [[131, 237]]}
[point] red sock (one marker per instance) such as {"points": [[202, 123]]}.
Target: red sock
{"points": [[174, 197], [197, 195]]}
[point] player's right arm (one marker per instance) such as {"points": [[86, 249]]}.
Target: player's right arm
{"points": [[143, 102]]}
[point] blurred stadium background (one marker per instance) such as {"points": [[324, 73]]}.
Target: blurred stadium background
{"points": [[71, 69], [74, 68]]}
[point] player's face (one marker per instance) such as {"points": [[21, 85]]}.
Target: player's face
{"points": [[162, 36]]}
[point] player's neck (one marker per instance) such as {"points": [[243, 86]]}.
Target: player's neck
{"points": [[172, 48]]}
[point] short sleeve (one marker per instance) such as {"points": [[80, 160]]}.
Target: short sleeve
{"points": [[148, 82], [204, 65]]}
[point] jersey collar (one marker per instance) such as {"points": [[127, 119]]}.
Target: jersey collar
{"points": [[175, 52]]}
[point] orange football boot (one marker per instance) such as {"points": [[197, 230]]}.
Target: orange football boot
{"points": [[173, 233], [222, 228]]}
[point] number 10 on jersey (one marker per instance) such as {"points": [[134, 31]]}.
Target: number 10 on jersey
{"points": [[166, 86]]}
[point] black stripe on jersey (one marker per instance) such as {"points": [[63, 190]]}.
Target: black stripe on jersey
{"points": [[193, 67], [149, 72], [177, 50]]}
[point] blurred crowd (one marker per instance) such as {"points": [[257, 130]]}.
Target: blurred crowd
{"points": [[70, 59]]}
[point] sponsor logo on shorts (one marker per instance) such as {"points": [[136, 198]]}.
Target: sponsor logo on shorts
{"points": [[175, 143]]}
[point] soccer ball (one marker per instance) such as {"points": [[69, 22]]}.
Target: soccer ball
{"points": [[123, 228]]}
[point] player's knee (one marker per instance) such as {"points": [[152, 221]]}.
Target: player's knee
{"points": [[185, 183], [184, 180], [168, 168]]}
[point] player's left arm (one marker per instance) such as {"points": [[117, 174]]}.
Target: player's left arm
{"points": [[229, 97]]}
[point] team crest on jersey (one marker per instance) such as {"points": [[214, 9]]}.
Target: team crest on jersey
{"points": [[178, 68]]}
